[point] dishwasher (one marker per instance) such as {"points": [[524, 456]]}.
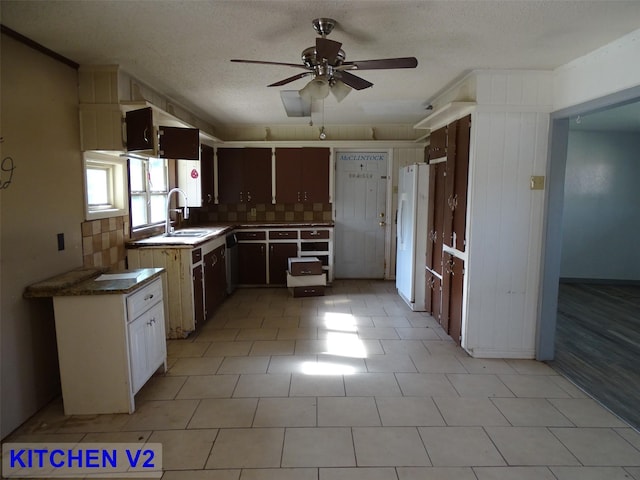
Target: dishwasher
{"points": [[232, 263]]}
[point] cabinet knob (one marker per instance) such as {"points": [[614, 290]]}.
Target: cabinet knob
{"points": [[452, 201], [449, 266], [148, 297]]}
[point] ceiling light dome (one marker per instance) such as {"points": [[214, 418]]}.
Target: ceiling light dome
{"points": [[316, 89]]}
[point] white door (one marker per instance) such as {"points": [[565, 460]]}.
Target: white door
{"points": [[360, 203]]}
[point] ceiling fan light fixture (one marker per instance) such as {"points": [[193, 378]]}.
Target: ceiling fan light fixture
{"points": [[316, 89], [340, 90]]}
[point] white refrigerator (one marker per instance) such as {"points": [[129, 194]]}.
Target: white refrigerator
{"points": [[411, 235]]}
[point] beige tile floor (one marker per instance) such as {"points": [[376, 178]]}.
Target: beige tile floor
{"points": [[353, 386]]}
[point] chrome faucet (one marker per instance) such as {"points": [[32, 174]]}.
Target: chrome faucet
{"points": [[168, 229]]}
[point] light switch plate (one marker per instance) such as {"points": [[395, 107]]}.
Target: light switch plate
{"points": [[537, 183]]}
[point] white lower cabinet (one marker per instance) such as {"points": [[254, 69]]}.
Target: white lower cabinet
{"points": [[190, 295], [146, 345], [109, 345]]}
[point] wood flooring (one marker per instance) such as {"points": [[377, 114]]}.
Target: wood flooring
{"points": [[598, 344]]}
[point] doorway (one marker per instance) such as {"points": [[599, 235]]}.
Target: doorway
{"points": [[360, 214], [590, 293]]}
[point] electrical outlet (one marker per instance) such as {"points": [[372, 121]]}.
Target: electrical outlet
{"points": [[253, 212]]}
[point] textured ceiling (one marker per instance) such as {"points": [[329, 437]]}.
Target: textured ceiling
{"points": [[182, 48]]}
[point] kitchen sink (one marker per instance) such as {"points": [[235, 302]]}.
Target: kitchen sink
{"points": [[189, 233]]}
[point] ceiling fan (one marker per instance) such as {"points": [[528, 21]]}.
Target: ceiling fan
{"points": [[325, 63]]}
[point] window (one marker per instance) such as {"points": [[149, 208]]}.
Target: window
{"points": [[105, 185], [149, 187]]}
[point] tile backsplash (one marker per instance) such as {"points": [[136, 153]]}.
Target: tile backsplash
{"points": [[103, 242], [263, 212]]}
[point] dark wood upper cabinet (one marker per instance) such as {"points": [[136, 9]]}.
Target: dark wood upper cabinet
{"points": [[288, 175], [257, 175], [438, 222], [179, 143], [207, 174], [431, 216], [459, 200], [244, 175], [315, 174], [302, 175], [139, 129], [437, 144], [447, 225], [172, 142], [230, 166]]}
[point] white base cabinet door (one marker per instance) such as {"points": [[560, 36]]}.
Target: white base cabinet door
{"points": [[108, 347]]}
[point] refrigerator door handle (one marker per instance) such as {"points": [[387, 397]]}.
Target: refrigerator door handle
{"points": [[400, 208]]}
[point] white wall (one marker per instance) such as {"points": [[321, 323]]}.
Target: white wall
{"points": [[610, 69], [40, 133], [505, 223], [601, 218]]}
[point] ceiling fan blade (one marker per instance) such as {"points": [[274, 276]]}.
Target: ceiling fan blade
{"points": [[383, 63], [289, 79], [328, 49], [353, 81], [262, 62]]}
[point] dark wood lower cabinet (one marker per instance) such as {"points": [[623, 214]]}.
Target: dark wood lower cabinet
{"points": [[446, 291], [444, 296], [279, 254], [433, 295], [215, 279], [252, 263], [198, 295], [456, 281]]}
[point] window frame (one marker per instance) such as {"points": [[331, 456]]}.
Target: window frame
{"points": [[147, 193], [117, 185]]}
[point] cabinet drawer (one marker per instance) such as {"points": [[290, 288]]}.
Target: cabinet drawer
{"points": [[240, 235], [196, 255], [313, 234], [305, 266], [140, 301], [278, 234], [314, 291], [314, 246]]}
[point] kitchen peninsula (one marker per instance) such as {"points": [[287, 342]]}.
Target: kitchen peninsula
{"points": [[110, 333]]}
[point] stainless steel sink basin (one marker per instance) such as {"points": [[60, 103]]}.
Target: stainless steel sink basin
{"points": [[189, 233]]}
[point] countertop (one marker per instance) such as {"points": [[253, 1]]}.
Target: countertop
{"points": [[92, 281], [162, 240], [285, 225], [215, 231]]}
